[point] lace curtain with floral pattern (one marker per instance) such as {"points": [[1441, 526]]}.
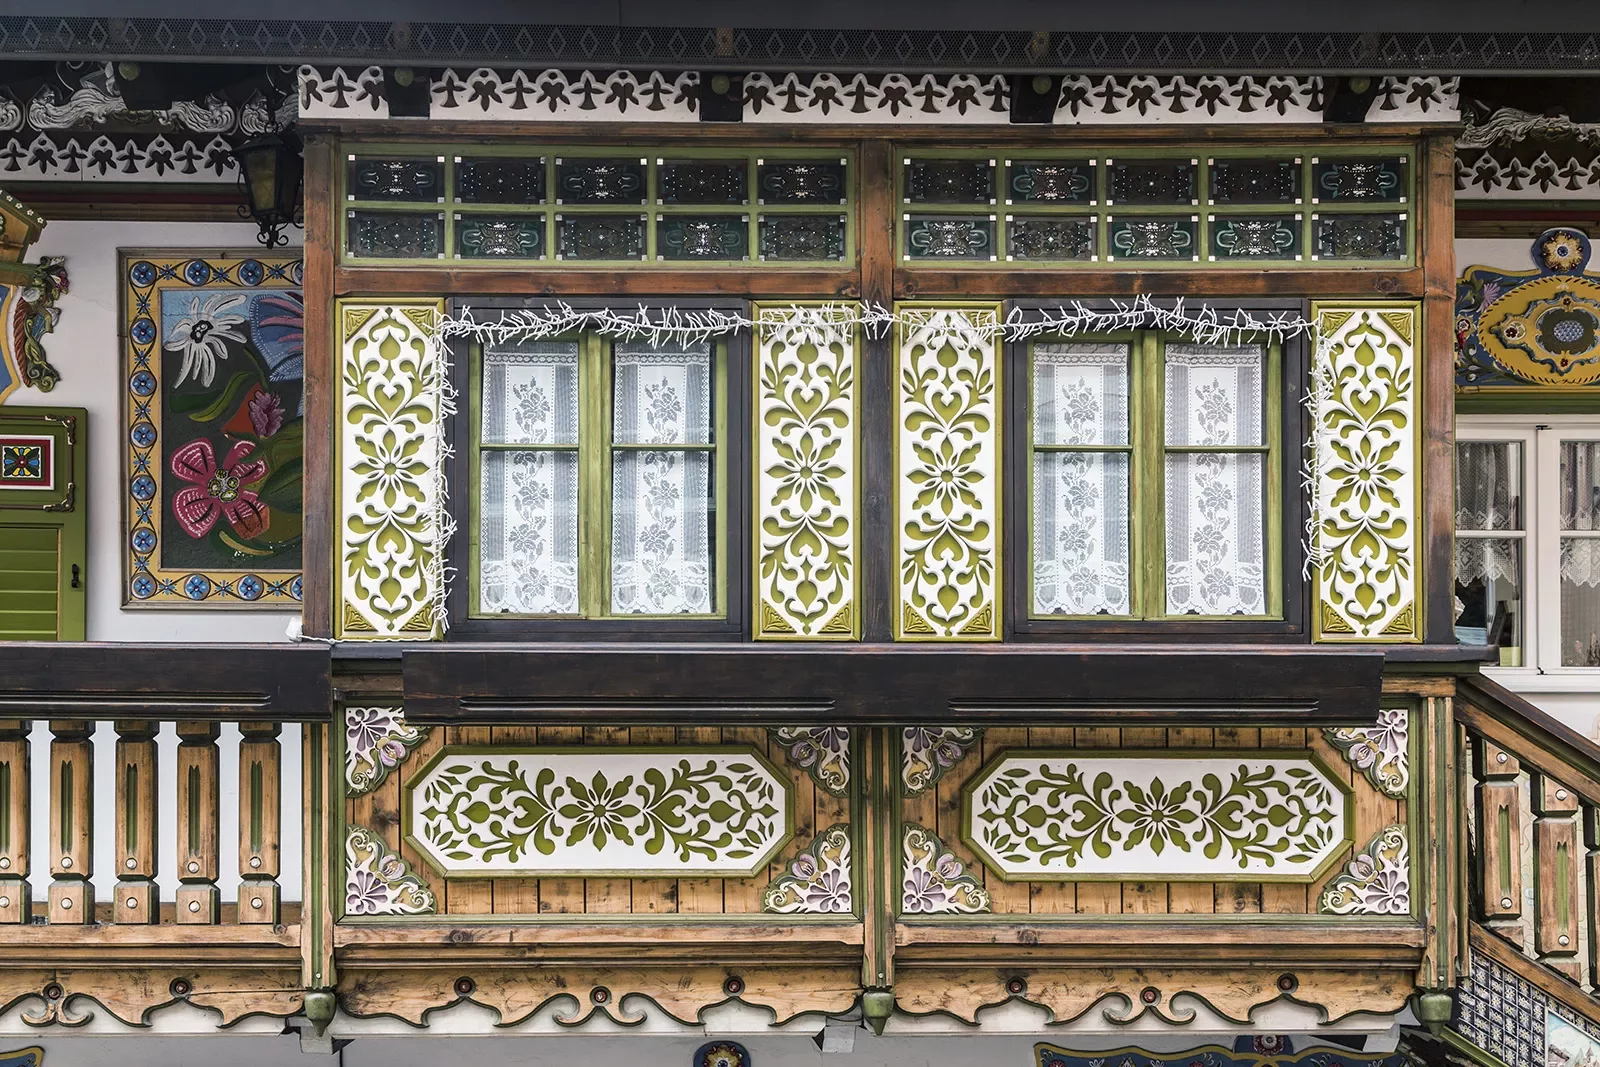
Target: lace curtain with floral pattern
{"points": [[1488, 499], [1215, 499], [1580, 511]]}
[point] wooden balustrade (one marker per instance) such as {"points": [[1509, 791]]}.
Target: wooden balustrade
{"points": [[259, 810], [137, 898], [71, 821], [16, 829]]}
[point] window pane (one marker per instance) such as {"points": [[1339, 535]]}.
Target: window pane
{"points": [[1580, 602], [530, 393], [1214, 394], [663, 394], [1489, 591], [1489, 485], [1080, 394], [1580, 484], [1080, 533], [1215, 534], [663, 543], [528, 535]]}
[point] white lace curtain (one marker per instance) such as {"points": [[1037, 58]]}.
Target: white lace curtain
{"points": [[1580, 510], [1488, 498]]}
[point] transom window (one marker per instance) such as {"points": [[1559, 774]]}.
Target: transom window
{"points": [[1153, 467], [599, 474]]}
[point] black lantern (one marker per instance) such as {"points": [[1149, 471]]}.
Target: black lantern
{"points": [[270, 170]]}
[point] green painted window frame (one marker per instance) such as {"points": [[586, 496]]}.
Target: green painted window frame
{"points": [[595, 449], [1201, 211], [1148, 450], [60, 513], [652, 210]]}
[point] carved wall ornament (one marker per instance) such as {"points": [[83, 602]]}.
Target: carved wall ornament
{"points": [[888, 98], [824, 751], [1380, 751], [1073, 814], [1531, 329], [1376, 882], [28, 311], [379, 882], [947, 473], [376, 741], [719, 811], [819, 879], [22, 1057], [1364, 522], [711, 1054], [131, 995], [933, 881], [806, 472], [394, 522], [926, 752]]}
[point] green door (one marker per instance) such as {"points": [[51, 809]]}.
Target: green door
{"points": [[43, 495]]}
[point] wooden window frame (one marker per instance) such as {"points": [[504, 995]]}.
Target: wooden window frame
{"points": [[1287, 618]]}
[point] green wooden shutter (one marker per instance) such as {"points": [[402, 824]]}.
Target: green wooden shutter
{"points": [[43, 495]]}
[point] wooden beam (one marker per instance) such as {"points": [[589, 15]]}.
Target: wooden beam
{"points": [[321, 380], [1437, 190], [1023, 282]]}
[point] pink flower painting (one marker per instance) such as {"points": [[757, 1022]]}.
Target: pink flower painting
{"points": [[218, 490]]}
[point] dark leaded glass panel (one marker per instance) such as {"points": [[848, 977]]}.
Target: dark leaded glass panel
{"points": [[600, 181], [500, 181], [1367, 180], [1050, 238], [599, 237], [802, 237], [1050, 183], [703, 237], [949, 181], [702, 183], [500, 237], [388, 235], [1255, 181], [1269, 237], [1359, 237], [1167, 182], [397, 179], [801, 182], [1153, 238], [940, 237]]}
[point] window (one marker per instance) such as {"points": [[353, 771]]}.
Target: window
{"points": [[1528, 523], [1154, 473], [600, 476]]}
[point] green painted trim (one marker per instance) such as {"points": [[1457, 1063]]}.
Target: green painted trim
{"points": [[1308, 755]]}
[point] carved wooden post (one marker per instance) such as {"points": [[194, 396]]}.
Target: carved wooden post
{"points": [[16, 785], [1591, 840], [137, 898], [1555, 876], [71, 821], [1499, 817], [199, 830], [259, 806]]}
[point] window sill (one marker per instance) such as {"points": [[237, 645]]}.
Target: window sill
{"points": [[1576, 680]]}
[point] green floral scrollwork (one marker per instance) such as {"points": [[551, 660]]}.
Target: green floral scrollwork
{"points": [[1377, 881], [378, 882], [817, 881]]}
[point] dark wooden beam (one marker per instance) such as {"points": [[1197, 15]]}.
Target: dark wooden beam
{"points": [[865, 685]]}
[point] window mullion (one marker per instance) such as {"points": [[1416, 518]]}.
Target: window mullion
{"points": [[1272, 434], [594, 494], [1151, 502]]}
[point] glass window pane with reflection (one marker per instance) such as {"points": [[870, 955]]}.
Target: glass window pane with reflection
{"points": [[1490, 532], [1580, 553]]}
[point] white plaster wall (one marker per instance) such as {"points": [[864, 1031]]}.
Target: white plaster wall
{"points": [[84, 348]]}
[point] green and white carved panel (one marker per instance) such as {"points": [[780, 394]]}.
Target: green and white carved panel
{"points": [[806, 472], [1365, 446], [947, 424], [710, 811], [1256, 815], [391, 506]]}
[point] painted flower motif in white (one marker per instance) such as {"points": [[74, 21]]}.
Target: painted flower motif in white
{"points": [[928, 751], [824, 751], [378, 882], [202, 335], [934, 882], [376, 740], [1377, 881], [818, 880], [1378, 751]]}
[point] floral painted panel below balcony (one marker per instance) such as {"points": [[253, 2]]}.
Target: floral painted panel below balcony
{"points": [[703, 237], [715, 182], [599, 237], [1359, 237], [500, 181], [600, 181], [1154, 238], [389, 235], [1255, 181], [802, 237], [942, 237], [1049, 238], [1358, 180], [416, 180], [1267, 237], [802, 182], [949, 181], [1055, 182], [500, 237], [1166, 182]]}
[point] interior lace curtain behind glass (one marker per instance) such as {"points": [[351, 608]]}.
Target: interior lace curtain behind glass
{"points": [[663, 545], [1580, 553], [1215, 499], [1080, 479], [1488, 569], [528, 479]]}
